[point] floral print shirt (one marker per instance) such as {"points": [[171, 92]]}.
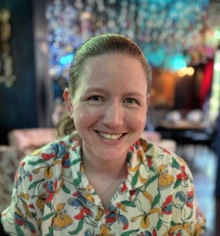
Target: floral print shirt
{"points": [[52, 195]]}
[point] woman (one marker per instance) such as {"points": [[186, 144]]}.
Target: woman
{"points": [[102, 179]]}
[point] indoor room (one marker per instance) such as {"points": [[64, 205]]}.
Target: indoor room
{"points": [[180, 40]]}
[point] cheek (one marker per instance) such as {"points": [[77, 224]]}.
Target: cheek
{"points": [[141, 123], [137, 120], [84, 115]]}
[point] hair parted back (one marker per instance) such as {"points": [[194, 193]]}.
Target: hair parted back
{"points": [[97, 46]]}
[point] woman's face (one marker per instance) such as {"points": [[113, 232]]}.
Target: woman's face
{"points": [[110, 105]]}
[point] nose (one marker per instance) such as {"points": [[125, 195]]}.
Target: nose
{"points": [[113, 115]]}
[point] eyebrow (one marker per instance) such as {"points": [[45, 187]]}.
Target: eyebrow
{"points": [[101, 90]]}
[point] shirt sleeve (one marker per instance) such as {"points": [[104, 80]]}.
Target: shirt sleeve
{"points": [[187, 218], [20, 217]]}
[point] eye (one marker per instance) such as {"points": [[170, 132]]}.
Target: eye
{"points": [[130, 101], [95, 98]]}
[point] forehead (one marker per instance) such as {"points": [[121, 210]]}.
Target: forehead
{"points": [[113, 68]]}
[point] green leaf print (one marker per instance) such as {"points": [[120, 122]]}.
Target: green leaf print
{"points": [[130, 232], [33, 215], [75, 162], [152, 169], [135, 178], [49, 204], [46, 217], [149, 146], [156, 200], [78, 229], [34, 163], [178, 182], [34, 184], [65, 189], [18, 230], [175, 164], [190, 216], [159, 224], [172, 223], [77, 181], [50, 232], [129, 203], [129, 156], [151, 180]]}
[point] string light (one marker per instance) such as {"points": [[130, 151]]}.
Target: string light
{"points": [[186, 71], [168, 39]]}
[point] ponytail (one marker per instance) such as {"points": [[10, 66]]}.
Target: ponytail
{"points": [[65, 126]]}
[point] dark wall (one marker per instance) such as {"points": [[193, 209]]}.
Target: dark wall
{"points": [[18, 107]]}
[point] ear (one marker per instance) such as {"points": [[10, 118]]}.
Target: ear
{"points": [[68, 102]]}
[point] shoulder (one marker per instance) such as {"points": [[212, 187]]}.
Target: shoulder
{"points": [[52, 154], [161, 157]]}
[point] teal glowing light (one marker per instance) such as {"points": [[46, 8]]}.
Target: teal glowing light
{"points": [[178, 62], [67, 59]]}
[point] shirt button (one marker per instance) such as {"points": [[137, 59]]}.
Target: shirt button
{"points": [[103, 220]]}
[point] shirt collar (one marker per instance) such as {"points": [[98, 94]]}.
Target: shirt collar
{"points": [[137, 164]]}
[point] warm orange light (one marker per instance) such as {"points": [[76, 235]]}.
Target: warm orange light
{"points": [[186, 71], [190, 71]]}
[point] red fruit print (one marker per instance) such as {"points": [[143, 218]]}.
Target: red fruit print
{"points": [[31, 206], [111, 219], [19, 222], [182, 175], [55, 184], [79, 216], [107, 211], [132, 192], [189, 201], [30, 177], [149, 161], [87, 211], [66, 156], [47, 156], [154, 233], [138, 143], [49, 198], [76, 194], [22, 163], [125, 226], [183, 168], [124, 187], [167, 206], [132, 148]]}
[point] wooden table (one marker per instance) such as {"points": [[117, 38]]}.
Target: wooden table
{"points": [[182, 125]]}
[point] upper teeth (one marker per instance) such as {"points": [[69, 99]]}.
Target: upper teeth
{"points": [[110, 136]]}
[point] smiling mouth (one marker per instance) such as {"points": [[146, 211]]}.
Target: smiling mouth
{"points": [[110, 136]]}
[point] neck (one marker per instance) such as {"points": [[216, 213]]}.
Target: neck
{"points": [[105, 169], [105, 176]]}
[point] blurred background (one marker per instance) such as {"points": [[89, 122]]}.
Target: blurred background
{"points": [[179, 38]]}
